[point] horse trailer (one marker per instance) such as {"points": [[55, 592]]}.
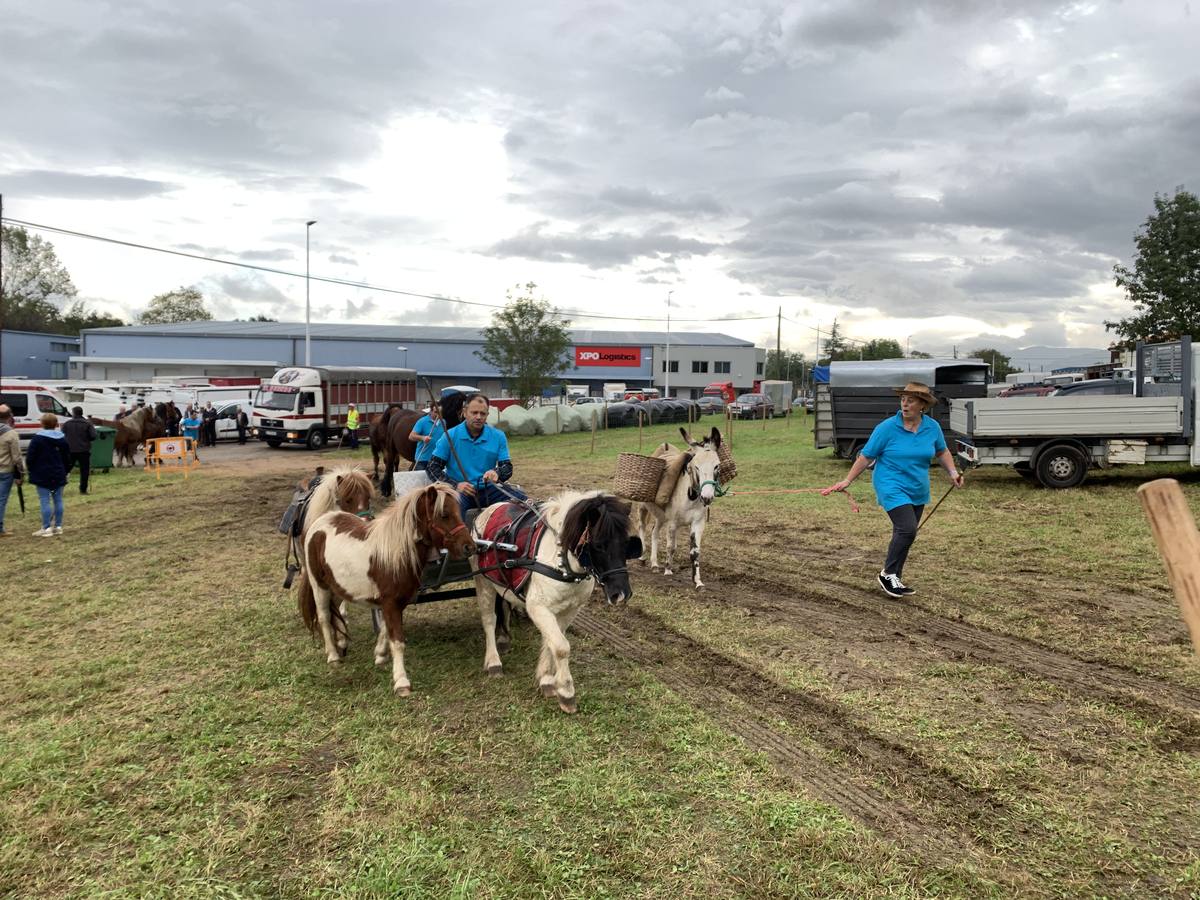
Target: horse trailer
{"points": [[860, 395]]}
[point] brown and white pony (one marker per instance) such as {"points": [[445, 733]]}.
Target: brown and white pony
{"points": [[587, 537], [688, 507], [380, 563], [346, 488]]}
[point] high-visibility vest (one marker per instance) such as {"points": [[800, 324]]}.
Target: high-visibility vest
{"points": [[352, 420]]}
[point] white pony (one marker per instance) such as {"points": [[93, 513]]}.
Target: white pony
{"points": [[586, 541], [694, 491]]}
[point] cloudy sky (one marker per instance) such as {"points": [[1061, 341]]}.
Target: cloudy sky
{"points": [[945, 173]]}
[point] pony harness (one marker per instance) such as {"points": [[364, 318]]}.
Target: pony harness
{"points": [[517, 525]]}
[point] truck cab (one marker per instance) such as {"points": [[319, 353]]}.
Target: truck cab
{"points": [[722, 389]]}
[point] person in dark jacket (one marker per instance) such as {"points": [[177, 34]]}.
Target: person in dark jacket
{"points": [[48, 460], [243, 423], [80, 433], [208, 432]]}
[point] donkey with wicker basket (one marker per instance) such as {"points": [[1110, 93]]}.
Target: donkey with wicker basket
{"points": [[700, 472]]}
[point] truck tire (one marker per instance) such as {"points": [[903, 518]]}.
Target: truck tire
{"points": [[849, 449], [1061, 466], [274, 442], [316, 439]]}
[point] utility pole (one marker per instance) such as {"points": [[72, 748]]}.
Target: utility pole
{"points": [[667, 375], [779, 342]]}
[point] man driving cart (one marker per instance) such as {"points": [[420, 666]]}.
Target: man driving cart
{"points": [[473, 456]]}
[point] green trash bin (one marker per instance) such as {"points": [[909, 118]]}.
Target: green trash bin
{"points": [[102, 448]]}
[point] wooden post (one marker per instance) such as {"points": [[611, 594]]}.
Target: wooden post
{"points": [[1178, 541], [764, 417], [593, 432], [639, 430], [557, 421], [729, 426]]}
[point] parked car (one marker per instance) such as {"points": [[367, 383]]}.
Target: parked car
{"points": [[803, 403], [579, 401], [751, 406], [709, 404], [1096, 387]]}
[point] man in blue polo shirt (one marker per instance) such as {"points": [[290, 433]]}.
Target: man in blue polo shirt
{"points": [[426, 434], [473, 456]]}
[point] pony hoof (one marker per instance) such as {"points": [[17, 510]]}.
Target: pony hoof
{"points": [[699, 586], [344, 650], [402, 690], [548, 691], [667, 571], [335, 663], [567, 704], [503, 645], [495, 671]]}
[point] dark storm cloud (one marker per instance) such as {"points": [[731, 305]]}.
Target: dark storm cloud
{"points": [[596, 250], [77, 186], [930, 158]]}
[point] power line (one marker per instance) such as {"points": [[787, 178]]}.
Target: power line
{"points": [[347, 283]]}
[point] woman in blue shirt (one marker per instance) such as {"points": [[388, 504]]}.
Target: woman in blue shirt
{"points": [[901, 448], [425, 434]]}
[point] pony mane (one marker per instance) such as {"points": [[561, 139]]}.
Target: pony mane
{"points": [[568, 515], [325, 497], [398, 528]]}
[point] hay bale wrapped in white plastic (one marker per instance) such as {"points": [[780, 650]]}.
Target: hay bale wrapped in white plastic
{"points": [[517, 420], [547, 419], [571, 419]]}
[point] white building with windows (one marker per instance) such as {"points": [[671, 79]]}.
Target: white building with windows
{"points": [[445, 354]]}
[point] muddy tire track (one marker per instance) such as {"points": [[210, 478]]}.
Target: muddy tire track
{"points": [[856, 608], [883, 785]]}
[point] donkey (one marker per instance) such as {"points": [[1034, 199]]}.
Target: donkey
{"points": [[590, 545], [379, 563], [694, 491]]}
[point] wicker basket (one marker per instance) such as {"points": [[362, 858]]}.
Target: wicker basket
{"points": [[727, 471], [637, 476]]}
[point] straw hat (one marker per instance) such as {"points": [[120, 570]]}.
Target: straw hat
{"points": [[918, 390]]}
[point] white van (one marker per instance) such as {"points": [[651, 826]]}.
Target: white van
{"points": [[227, 417], [29, 401]]}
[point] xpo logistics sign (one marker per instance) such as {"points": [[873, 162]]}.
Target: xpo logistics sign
{"points": [[608, 356]]}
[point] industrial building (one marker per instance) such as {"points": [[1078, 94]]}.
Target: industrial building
{"points": [[34, 354], [445, 354]]}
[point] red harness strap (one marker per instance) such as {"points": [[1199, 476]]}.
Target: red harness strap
{"points": [[511, 523]]}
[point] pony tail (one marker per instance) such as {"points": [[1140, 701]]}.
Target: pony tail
{"points": [[306, 603]]}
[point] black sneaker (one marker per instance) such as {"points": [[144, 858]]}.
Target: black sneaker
{"points": [[891, 585]]}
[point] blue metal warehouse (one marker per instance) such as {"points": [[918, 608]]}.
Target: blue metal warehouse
{"points": [[447, 354]]}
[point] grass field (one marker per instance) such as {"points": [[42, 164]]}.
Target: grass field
{"points": [[1028, 722]]}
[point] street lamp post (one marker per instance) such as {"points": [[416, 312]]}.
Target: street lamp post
{"points": [[307, 302], [405, 349], [667, 379]]}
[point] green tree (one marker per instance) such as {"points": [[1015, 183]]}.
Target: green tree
{"points": [[183, 304], [1001, 364], [920, 354], [78, 317], [33, 283], [835, 344], [882, 348], [1164, 283], [785, 366], [527, 342]]}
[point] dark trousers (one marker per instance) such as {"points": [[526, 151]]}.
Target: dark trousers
{"points": [[241, 434], [486, 496], [905, 520], [84, 462]]}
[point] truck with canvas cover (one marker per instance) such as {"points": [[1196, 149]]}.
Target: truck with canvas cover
{"points": [[302, 405], [1056, 439], [860, 395]]}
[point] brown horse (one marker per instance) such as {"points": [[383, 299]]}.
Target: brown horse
{"points": [[390, 439], [140, 425], [379, 563], [170, 415]]}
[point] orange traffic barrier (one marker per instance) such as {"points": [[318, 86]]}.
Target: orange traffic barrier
{"points": [[178, 454]]}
